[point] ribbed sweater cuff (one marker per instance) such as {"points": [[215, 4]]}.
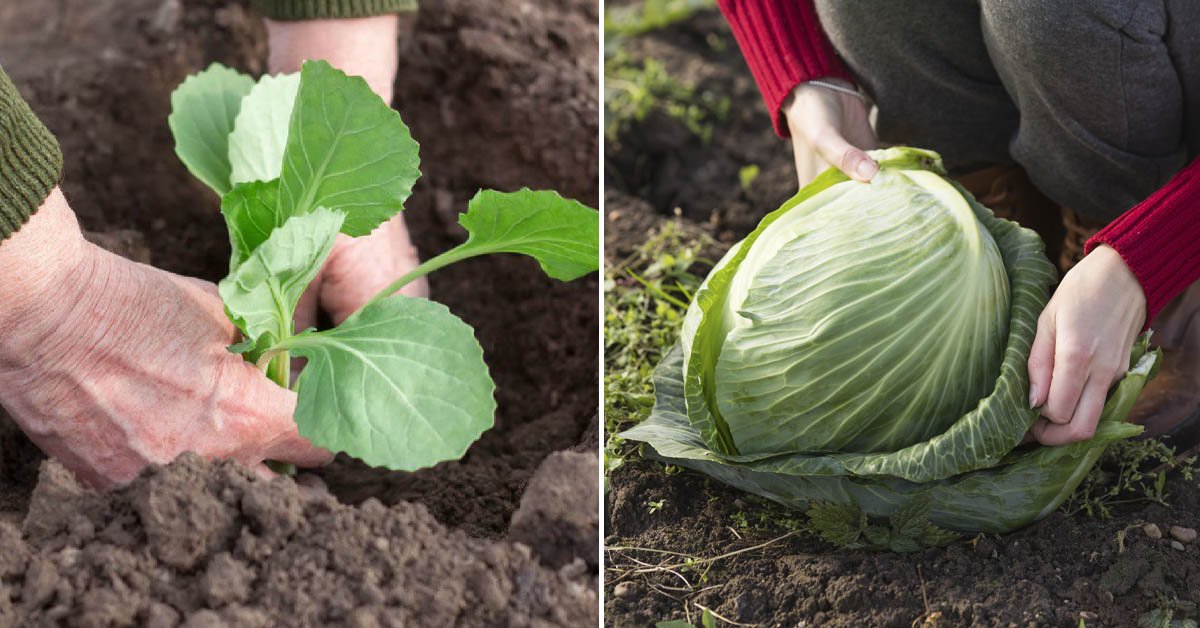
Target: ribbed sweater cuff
{"points": [[784, 46], [1159, 239], [315, 9], [30, 160]]}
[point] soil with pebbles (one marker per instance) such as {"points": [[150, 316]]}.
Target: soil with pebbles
{"points": [[1063, 569]]}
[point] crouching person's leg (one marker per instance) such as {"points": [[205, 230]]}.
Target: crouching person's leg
{"points": [[925, 65], [928, 69]]}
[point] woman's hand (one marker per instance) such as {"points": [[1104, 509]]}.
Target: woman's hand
{"points": [[829, 128], [357, 268], [110, 365], [1082, 346]]}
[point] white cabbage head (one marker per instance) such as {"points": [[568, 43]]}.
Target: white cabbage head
{"points": [[867, 318], [867, 345]]}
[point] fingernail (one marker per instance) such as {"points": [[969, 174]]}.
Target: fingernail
{"points": [[1033, 395], [867, 169]]}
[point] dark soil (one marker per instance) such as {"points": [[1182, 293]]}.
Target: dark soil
{"points": [[499, 94], [212, 545], [657, 166], [1051, 574]]}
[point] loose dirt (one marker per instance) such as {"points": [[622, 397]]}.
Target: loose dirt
{"points": [[1061, 570], [499, 94]]}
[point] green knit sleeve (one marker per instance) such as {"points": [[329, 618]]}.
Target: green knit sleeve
{"points": [[312, 9], [30, 160]]}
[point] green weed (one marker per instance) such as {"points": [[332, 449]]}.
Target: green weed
{"points": [[650, 15], [1122, 477], [645, 298], [907, 530], [633, 89]]}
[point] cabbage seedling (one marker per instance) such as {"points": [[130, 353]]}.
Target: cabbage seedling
{"points": [[298, 159], [867, 345]]}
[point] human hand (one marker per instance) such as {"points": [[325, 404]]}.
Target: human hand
{"points": [[110, 365], [357, 268], [829, 128], [1082, 346], [365, 46]]}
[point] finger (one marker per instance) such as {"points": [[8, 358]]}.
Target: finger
{"points": [[1087, 415], [808, 162], [276, 432], [834, 148], [858, 130], [1071, 366], [263, 471], [1037, 429], [305, 316], [1122, 365], [294, 448], [206, 287], [1041, 360]]}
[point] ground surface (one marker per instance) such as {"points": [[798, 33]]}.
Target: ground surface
{"points": [[499, 95], [1107, 572]]}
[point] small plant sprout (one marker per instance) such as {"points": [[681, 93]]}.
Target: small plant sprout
{"points": [[298, 159]]}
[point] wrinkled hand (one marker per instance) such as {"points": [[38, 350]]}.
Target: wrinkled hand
{"points": [[357, 267], [1082, 346], [109, 365], [829, 128]]}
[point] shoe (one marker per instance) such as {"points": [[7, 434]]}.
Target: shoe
{"points": [[1008, 192]]}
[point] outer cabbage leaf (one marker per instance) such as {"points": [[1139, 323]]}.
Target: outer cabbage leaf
{"points": [[1023, 487], [562, 234], [406, 379]]}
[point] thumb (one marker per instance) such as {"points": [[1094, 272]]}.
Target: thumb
{"points": [[1041, 361], [841, 154], [286, 444], [294, 448], [274, 431]]}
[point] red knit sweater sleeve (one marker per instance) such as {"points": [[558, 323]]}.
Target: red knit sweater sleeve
{"points": [[1160, 239], [784, 46]]}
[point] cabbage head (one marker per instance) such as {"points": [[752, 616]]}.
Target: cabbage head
{"points": [[867, 345]]}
